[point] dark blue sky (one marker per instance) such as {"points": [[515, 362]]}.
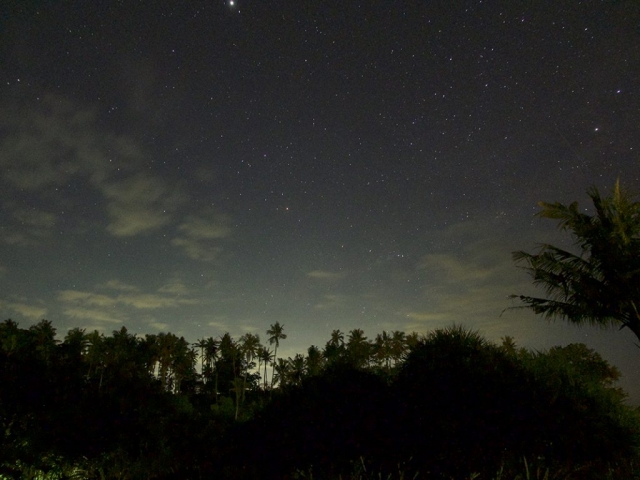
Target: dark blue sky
{"points": [[201, 167]]}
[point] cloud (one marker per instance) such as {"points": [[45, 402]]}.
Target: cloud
{"points": [[86, 298], [35, 218], [468, 285], [325, 275], [197, 250], [159, 326], [455, 269], [18, 238], [92, 314], [150, 301], [56, 142], [27, 226], [331, 301], [120, 286], [427, 317], [209, 226], [199, 234], [27, 311], [48, 142], [139, 204], [140, 301], [219, 325], [174, 288]]}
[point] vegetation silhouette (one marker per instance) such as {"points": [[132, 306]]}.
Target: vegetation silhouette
{"points": [[600, 285], [442, 405]]}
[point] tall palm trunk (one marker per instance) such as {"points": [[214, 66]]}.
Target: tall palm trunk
{"points": [[265, 375], [273, 370]]}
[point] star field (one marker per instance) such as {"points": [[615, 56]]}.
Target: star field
{"points": [[206, 167]]}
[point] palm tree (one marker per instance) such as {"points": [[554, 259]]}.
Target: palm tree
{"points": [[166, 344], [183, 364], [276, 333], [334, 348], [150, 353], [201, 344], [358, 348], [337, 338], [382, 350], [314, 361], [75, 343], [399, 345], [211, 352], [282, 369], [43, 336], [10, 336], [411, 340], [601, 285], [228, 364], [296, 369], [96, 355], [249, 344], [266, 356]]}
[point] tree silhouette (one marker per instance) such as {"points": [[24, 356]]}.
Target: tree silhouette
{"points": [[43, 336], [358, 348], [282, 373], [314, 362], [211, 353], [265, 356], [249, 345], [601, 285], [399, 345], [201, 344], [276, 333], [382, 350], [297, 369], [334, 349]]}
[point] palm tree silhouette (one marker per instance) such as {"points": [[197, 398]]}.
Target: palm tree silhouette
{"points": [[334, 348], [249, 344], [358, 348], [601, 285], [266, 356], [276, 333]]}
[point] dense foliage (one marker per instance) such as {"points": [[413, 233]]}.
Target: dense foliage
{"points": [[443, 405]]}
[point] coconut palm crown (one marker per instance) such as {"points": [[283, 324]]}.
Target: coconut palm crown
{"points": [[600, 285]]}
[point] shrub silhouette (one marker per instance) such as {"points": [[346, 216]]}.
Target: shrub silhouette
{"points": [[468, 406], [327, 422]]}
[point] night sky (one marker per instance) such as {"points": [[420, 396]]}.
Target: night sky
{"points": [[204, 167]]}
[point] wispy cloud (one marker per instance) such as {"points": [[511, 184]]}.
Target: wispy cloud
{"points": [[174, 288], [120, 286], [35, 218], [453, 269], [159, 326], [93, 315], [86, 298], [48, 143], [129, 298], [199, 235], [219, 325], [139, 204], [28, 311], [325, 275], [27, 227], [331, 301], [467, 285]]}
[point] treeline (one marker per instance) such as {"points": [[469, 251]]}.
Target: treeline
{"points": [[444, 405]]}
